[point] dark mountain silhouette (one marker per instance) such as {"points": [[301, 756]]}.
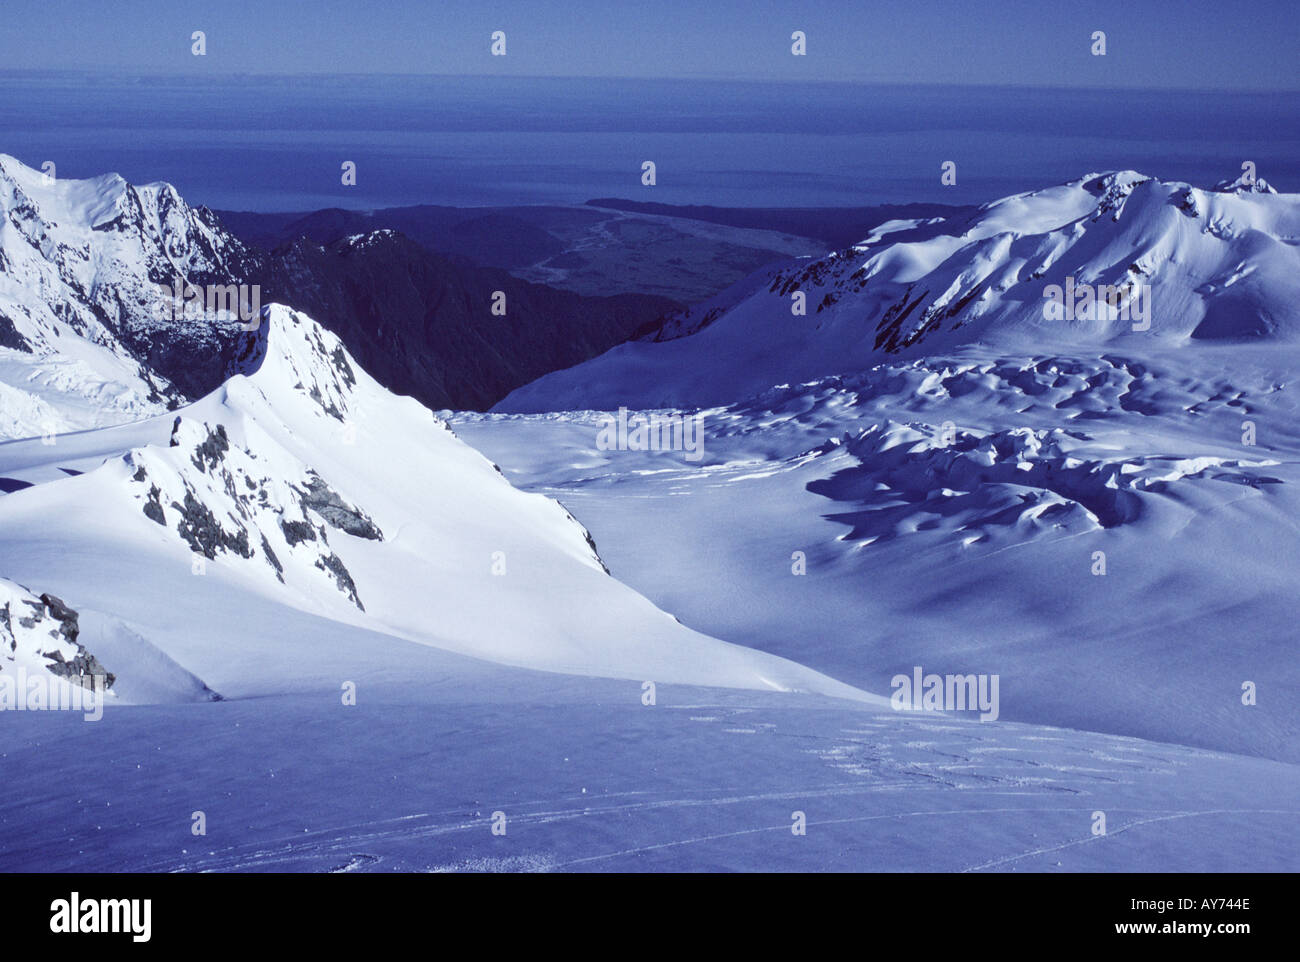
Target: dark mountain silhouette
{"points": [[422, 324]]}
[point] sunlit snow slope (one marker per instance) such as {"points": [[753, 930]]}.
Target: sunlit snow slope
{"points": [[1219, 265], [1101, 509], [304, 483]]}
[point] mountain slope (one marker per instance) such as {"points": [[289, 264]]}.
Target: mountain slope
{"points": [[304, 483], [38, 637], [1102, 515], [1188, 265], [424, 325], [82, 342], [91, 333]]}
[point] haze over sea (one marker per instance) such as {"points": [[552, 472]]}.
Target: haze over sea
{"points": [[276, 143]]}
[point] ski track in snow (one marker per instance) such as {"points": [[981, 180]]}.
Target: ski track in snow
{"points": [[882, 775]]}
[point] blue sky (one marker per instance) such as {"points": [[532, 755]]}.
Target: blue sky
{"points": [[1189, 43]]}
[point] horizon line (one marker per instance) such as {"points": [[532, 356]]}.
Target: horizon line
{"points": [[128, 73]]}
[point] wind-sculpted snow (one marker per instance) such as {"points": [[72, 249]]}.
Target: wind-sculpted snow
{"points": [[1005, 486], [923, 456], [1111, 531]]}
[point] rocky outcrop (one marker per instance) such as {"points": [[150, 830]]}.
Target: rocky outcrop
{"points": [[321, 498], [39, 633], [224, 500]]}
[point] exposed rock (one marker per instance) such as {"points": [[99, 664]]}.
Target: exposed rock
{"points": [[213, 449], [233, 504], [334, 565], [204, 534], [153, 508], [322, 499], [41, 632], [296, 532], [272, 560]]}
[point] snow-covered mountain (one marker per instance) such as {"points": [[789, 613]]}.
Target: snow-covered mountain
{"points": [[344, 639], [90, 336], [85, 335], [304, 482], [966, 476], [1182, 264]]}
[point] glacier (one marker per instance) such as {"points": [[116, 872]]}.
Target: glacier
{"points": [[351, 632]]}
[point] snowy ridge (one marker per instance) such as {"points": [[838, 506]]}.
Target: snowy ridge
{"points": [[81, 330], [1212, 266], [304, 483]]}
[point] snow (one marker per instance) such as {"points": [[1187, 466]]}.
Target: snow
{"points": [[977, 554], [81, 262], [976, 280], [649, 663], [443, 510]]}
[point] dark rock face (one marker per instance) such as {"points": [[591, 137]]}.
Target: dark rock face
{"points": [[342, 577], [35, 615], [84, 666], [82, 669], [422, 324], [272, 560], [296, 532], [63, 614], [212, 450], [322, 499], [153, 509], [340, 361], [204, 534], [10, 338]]}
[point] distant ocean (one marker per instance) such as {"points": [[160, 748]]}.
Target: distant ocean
{"points": [[277, 143]]}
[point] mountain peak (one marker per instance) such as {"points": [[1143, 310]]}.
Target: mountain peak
{"points": [[291, 352], [1153, 262], [87, 324], [1246, 182]]}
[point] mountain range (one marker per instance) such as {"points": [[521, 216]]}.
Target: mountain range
{"points": [[100, 342], [358, 635]]}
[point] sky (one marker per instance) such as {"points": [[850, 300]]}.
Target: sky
{"points": [[1193, 44]]}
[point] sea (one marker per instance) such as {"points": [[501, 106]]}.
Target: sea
{"points": [[280, 143]]}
